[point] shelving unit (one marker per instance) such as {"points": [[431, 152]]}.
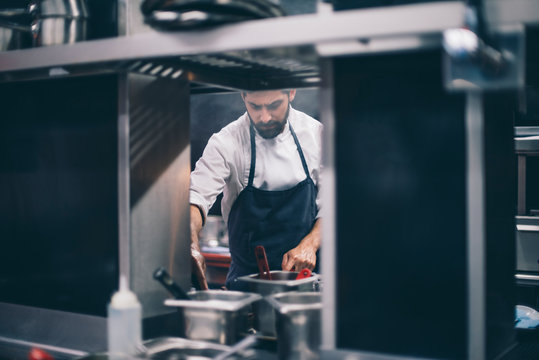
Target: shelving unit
{"points": [[256, 55], [245, 55]]}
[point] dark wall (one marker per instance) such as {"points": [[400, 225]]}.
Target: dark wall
{"points": [[402, 241], [58, 191], [401, 219]]}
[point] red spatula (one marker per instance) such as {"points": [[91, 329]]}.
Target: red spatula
{"points": [[305, 273], [262, 262]]}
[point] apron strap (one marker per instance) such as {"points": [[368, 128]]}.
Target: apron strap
{"points": [[253, 152], [299, 151]]}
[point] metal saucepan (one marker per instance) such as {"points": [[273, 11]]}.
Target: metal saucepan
{"points": [[42, 23], [161, 275]]}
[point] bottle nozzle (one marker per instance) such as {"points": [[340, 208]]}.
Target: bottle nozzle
{"points": [[123, 283], [124, 297]]}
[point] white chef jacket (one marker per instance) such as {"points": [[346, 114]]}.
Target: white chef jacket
{"points": [[226, 160]]}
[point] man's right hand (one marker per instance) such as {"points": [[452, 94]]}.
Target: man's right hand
{"points": [[198, 267], [198, 263]]}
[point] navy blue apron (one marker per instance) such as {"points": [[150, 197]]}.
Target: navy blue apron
{"points": [[277, 220]]}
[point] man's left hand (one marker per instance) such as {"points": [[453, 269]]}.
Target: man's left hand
{"points": [[303, 256], [299, 258]]}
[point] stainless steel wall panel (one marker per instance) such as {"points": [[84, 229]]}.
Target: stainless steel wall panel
{"points": [[159, 186]]}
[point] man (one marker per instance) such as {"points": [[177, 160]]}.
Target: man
{"points": [[267, 164]]}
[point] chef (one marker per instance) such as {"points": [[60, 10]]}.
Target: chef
{"points": [[267, 164]]}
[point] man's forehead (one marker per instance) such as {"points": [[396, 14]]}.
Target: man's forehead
{"points": [[265, 97]]}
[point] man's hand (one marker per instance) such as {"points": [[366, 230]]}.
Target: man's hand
{"points": [[299, 258], [198, 263], [303, 256], [198, 267]]}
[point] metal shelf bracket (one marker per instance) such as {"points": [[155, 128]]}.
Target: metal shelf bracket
{"points": [[471, 64]]}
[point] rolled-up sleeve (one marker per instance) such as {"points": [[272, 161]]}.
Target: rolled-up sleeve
{"points": [[210, 175]]}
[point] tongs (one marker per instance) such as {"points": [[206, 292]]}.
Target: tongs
{"points": [[262, 262]]}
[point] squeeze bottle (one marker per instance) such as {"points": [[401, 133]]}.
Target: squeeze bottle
{"points": [[124, 322]]}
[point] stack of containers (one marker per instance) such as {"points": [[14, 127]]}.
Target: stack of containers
{"points": [[281, 282]]}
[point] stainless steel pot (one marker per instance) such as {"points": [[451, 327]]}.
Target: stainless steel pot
{"points": [[11, 39], [65, 8], [43, 23], [298, 319], [282, 281], [46, 8], [59, 30], [215, 315]]}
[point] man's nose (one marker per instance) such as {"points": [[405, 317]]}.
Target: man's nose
{"points": [[265, 115]]}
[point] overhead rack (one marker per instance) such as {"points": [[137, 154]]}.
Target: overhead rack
{"points": [[258, 54]]}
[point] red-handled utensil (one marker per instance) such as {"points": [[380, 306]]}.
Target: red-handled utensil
{"points": [[38, 354], [262, 262], [305, 273]]}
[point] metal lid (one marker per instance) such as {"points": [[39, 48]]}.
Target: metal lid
{"points": [[294, 301], [216, 300], [279, 278]]}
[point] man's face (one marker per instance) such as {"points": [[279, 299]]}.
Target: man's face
{"points": [[268, 110]]}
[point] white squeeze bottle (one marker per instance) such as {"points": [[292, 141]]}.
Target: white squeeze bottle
{"points": [[124, 322]]}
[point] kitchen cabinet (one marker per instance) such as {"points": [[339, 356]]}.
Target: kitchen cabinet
{"points": [[300, 51]]}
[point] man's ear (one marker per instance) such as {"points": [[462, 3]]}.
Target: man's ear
{"points": [[292, 95]]}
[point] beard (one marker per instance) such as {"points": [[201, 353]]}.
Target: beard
{"points": [[272, 128]]}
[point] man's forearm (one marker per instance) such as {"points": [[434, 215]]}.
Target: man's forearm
{"points": [[198, 264], [313, 238], [196, 225]]}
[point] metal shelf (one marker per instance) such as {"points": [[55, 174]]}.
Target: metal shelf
{"points": [[504, 12], [527, 140], [244, 55], [527, 279], [527, 145], [247, 70]]}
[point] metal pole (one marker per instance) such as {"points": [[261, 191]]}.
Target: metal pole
{"points": [[475, 184], [123, 177], [329, 209]]}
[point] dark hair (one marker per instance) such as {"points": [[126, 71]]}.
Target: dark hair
{"points": [[247, 92]]}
